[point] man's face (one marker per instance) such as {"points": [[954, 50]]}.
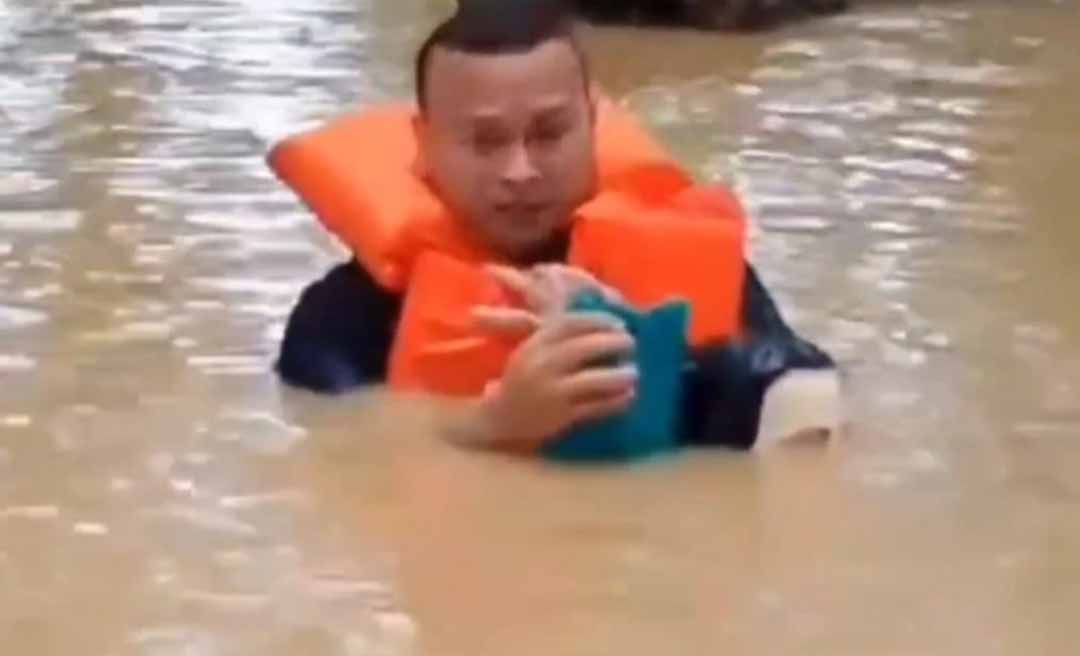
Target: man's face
{"points": [[507, 140]]}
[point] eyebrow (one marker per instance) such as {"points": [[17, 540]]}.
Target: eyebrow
{"points": [[545, 108]]}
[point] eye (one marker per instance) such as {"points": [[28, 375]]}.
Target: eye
{"points": [[549, 132], [488, 141]]}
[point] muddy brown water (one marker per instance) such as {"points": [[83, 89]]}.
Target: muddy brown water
{"points": [[911, 169]]}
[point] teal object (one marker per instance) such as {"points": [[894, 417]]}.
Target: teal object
{"points": [[651, 424]]}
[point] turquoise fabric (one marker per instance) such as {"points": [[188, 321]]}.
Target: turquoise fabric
{"points": [[651, 425]]}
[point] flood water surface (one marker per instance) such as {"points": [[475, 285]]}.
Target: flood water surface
{"points": [[910, 169]]}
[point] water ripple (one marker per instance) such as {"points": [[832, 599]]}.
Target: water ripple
{"points": [[39, 221], [17, 317]]}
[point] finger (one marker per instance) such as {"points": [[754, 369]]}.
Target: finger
{"points": [[600, 383], [505, 321], [566, 281], [611, 294], [575, 279], [576, 352], [519, 282], [550, 297], [514, 279], [573, 274], [602, 408], [565, 326]]}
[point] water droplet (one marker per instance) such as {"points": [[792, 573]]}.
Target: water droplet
{"points": [[16, 421], [90, 528], [937, 340], [30, 512], [182, 485]]}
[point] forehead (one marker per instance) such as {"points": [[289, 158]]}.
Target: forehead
{"points": [[462, 84]]}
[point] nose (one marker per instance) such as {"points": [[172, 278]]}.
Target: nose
{"points": [[519, 167]]}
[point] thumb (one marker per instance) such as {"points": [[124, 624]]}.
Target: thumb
{"points": [[510, 322], [582, 279]]}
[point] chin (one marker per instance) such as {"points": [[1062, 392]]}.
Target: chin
{"points": [[546, 247]]}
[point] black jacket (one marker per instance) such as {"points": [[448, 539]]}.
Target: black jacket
{"points": [[339, 335]]}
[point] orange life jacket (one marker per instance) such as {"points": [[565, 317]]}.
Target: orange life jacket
{"points": [[649, 232]]}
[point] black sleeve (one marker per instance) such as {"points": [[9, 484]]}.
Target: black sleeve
{"points": [[340, 332], [726, 382]]}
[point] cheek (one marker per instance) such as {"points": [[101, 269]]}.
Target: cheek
{"points": [[460, 174], [472, 169], [572, 166]]}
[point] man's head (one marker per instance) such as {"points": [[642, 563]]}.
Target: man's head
{"points": [[506, 121]]}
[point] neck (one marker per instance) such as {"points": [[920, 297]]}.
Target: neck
{"points": [[554, 249]]}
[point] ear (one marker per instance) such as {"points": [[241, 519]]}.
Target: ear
{"points": [[421, 165], [595, 96], [600, 101]]}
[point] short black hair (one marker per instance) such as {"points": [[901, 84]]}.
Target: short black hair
{"points": [[499, 27]]}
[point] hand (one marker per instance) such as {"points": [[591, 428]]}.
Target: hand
{"points": [[546, 291], [548, 385]]}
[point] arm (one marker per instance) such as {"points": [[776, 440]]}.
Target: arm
{"points": [[729, 384], [476, 423], [340, 332]]}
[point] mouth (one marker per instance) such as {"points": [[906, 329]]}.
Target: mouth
{"points": [[521, 210]]}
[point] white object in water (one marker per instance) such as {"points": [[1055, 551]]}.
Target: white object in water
{"points": [[800, 403]]}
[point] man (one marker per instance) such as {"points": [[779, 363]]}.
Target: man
{"points": [[505, 131]]}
